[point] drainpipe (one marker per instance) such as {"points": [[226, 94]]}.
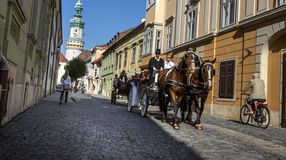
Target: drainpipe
{"points": [[212, 100], [242, 66], [49, 50]]}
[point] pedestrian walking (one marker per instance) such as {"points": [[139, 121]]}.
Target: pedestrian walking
{"points": [[65, 86]]}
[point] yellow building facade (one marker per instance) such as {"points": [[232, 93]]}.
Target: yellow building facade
{"points": [[245, 37], [129, 51]]}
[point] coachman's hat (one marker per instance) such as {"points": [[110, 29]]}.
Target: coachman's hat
{"points": [[158, 51]]}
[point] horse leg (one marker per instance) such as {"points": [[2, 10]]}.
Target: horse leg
{"points": [[199, 111], [197, 123], [183, 109], [163, 107], [203, 101], [175, 118], [189, 108]]}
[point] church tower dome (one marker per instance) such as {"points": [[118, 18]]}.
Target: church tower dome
{"points": [[75, 44]]}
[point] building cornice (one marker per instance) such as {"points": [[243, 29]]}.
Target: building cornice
{"points": [[16, 6], [263, 17]]}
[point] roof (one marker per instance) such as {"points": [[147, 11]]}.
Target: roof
{"points": [[116, 38], [101, 46], [62, 58], [97, 60], [85, 55]]}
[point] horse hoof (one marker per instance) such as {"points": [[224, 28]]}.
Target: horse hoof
{"points": [[176, 126], [188, 121], [199, 127]]}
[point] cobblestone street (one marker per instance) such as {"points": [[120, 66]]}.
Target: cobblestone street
{"points": [[92, 128]]}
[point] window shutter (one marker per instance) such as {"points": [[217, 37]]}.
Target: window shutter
{"points": [[226, 81], [230, 79], [222, 78]]}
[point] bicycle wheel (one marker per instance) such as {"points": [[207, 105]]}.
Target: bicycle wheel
{"points": [[244, 118], [263, 119]]}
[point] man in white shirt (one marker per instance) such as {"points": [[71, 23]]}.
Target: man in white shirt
{"points": [[168, 63]]}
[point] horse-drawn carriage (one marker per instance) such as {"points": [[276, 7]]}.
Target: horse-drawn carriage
{"points": [[186, 86], [141, 95]]}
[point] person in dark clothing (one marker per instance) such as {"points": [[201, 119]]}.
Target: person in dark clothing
{"points": [[123, 78], [156, 64], [65, 86]]}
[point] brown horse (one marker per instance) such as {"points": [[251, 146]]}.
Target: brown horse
{"points": [[173, 85], [201, 84]]}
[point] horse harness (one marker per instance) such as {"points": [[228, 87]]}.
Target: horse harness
{"points": [[191, 88]]}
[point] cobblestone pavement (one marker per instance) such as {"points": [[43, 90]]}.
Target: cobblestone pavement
{"points": [[92, 128]]}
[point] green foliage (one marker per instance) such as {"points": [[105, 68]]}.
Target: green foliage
{"points": [[77, 69]]}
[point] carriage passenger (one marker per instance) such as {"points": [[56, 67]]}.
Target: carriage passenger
{"points": [[168, 64], [156, 64], [122, 78]]}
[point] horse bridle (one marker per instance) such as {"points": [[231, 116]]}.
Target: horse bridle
{"points": [[209, 64]]}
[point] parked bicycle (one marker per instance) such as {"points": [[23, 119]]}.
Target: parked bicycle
{"points": [[258, 112]]}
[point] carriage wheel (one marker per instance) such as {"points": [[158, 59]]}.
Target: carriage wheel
{"points": [[129, 106], [244, 117], [144, 103]]}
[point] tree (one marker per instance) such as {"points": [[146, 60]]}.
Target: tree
{"points": [[77, 69]]}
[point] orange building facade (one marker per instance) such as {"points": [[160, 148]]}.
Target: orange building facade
{"points": [[245, 37]]}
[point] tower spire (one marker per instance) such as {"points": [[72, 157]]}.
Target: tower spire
{"points": [[75, 44]]}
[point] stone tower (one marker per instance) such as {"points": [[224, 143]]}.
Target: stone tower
{"points": [[75, 44]]}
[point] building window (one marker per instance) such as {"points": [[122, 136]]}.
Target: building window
{"points": [[116, 60], [15, 29], [280, 2], [192, 23], [226, 79], [261, 5], [95, 72], [30, 50], [228, 12], [133, 55], [148, 42], [140, 53], [169, 36], [158, 39], [120, 58], [149, 3], [125, 58]]}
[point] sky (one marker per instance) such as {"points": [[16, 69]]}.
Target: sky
{"points": [[103, 19]]}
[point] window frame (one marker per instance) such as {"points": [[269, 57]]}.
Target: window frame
{"points": [[189, 20], [140, 52], [148, 39], [169, 35], [158, 44], [15, 29], [280, 3], [125, 58], [224, 97], [133, 55], [223, 18]]}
